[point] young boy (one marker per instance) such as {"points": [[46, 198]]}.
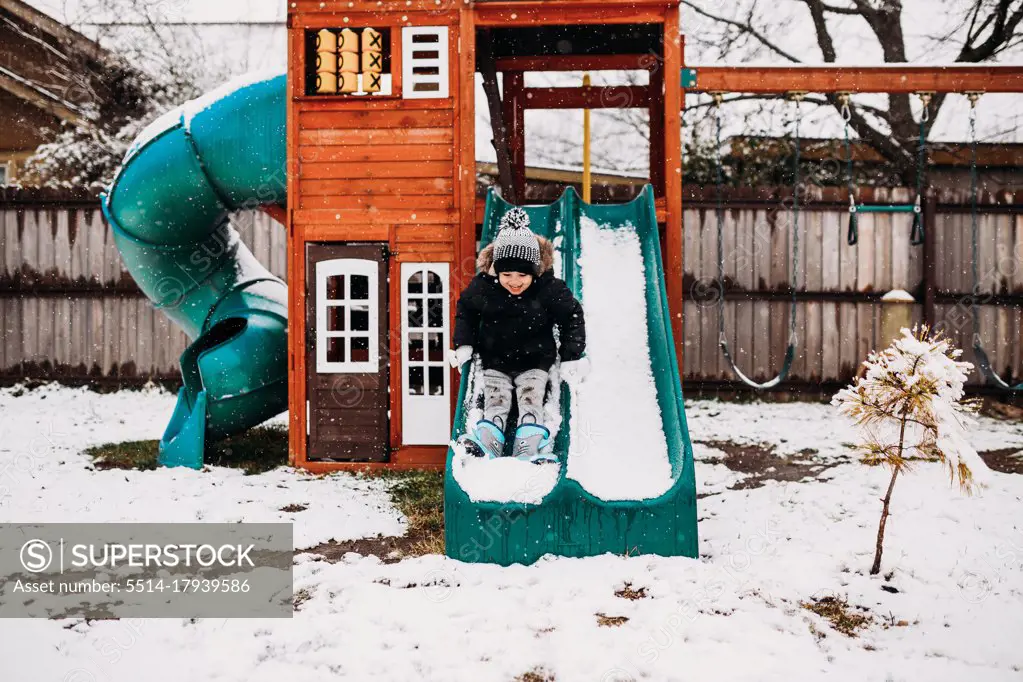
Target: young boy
{"points": [[507, 314]]}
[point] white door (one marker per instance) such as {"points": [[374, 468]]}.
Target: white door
{"points": [[426, 378]]}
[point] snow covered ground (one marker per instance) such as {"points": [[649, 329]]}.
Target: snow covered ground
{"points": [[954, 611]]}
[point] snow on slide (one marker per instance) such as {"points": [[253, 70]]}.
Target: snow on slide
{"points": [[618, 450]]}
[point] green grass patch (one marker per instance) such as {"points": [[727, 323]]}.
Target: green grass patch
{"points": [[255, 451], [132, 454], [419, 495]]}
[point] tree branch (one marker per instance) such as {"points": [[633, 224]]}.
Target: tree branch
{"points": [[886, 23], [1001, 32], [820, 25], [746, 28], [839, 10]]}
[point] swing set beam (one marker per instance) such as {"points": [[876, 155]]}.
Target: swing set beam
{"points": [[893, 79]]}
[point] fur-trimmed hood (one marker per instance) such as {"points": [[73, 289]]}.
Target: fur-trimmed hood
{"points": [[485, 261]]}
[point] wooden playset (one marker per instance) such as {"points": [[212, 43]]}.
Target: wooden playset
{"points": [[382, 219]]}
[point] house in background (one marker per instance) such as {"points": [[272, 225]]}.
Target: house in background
{"points": [[47, 76]]}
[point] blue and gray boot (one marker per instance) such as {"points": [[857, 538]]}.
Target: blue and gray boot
{"points": [[533, 442], [486, 439]]}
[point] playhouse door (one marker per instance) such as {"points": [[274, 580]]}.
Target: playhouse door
{"points": [[347, 358]]}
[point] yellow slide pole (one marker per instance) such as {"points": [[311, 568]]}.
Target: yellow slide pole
{"points": [[586, 145]]}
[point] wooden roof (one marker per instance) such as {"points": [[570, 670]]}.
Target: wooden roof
{"points": [[950, 154], [47, 64]]}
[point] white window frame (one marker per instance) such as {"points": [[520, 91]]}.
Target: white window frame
{"points": [[347, 267], [410, 79], [425, 419]]}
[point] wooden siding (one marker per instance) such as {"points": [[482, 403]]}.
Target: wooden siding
{"points": [[392, 165]]}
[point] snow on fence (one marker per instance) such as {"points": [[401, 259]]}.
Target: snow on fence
{"points": [[68, 310]]}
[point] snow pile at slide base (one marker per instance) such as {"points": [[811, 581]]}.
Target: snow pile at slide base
{"points": [[617, 446]]}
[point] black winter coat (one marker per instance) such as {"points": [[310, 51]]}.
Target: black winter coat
{"points": [[515, 333]]}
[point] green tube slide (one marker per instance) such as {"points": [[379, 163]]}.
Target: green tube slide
{"points": [[569, 520], [169, 208]]}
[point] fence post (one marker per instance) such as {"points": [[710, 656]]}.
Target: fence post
{"points": [[896, 315]]}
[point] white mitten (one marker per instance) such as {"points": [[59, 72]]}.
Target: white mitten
{"points": [[574, 371], [459, 356]]}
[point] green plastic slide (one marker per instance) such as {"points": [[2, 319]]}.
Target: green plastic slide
{"points": [[168, 208], [569, 520]]}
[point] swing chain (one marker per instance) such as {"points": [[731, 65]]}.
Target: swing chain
{"points": [[797, 98], [974, 97], [982, 360], [719, 177], [790, 351], [917, 235], [853, 235]]}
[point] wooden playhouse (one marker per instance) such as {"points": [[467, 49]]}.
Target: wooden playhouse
{"points": [[382, 219]]}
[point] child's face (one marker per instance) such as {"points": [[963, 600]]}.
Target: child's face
{"points": [[515, 282]]}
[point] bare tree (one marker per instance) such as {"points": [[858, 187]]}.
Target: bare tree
{"points": [[982, 30], [149, 70]]}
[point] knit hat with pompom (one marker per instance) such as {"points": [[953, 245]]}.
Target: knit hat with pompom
{"points": [[516, 248]]}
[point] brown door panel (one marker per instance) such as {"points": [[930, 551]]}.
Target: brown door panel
{"points": [[371, 417], [343, 384], [348, 412]]}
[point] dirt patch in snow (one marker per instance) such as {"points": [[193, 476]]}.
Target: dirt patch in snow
{"points": [[843, 616], [760, 463], [631, 593], [420, 497], [606, 621], [390, 549], [1004, 460]]}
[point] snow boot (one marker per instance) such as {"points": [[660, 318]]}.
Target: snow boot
{"points": [[485, 440], [532, 443]]}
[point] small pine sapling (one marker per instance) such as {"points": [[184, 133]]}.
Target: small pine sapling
{"points": [[909, 406]]}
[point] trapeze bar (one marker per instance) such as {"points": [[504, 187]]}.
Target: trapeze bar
{"points": [[886, 208]]}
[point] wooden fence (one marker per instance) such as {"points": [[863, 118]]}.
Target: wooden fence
{"points": [[69, 311], [839, 286]]}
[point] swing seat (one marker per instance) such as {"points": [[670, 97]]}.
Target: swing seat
{"points": [[916, 236], [884, 208]]}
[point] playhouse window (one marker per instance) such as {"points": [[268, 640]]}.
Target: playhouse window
{"points": [[426, 390], [347, 312], [424, 69], [348, 61]]}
